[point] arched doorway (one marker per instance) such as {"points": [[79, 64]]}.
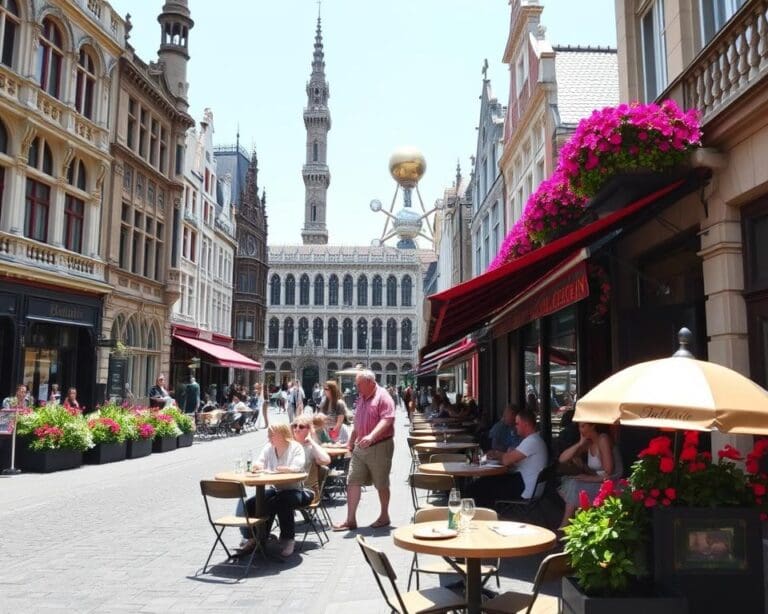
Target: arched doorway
{"points": [[310, 375]]}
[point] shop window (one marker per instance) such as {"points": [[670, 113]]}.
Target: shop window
{"points": [[50, 56], [530, 341], [85, 84], [562, 367], [9, 27]]}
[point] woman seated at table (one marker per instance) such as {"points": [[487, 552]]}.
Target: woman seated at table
{"points": [[314, 454], [603, 462]]}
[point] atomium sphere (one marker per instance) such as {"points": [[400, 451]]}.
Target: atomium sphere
{"points": [[407, 224], [375, 205], [407, 165]]}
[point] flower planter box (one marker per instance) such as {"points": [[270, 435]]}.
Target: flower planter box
{"points": [[138, 448], [163, 444], [47, 461], [699, 551], [103, 453], [630, 186], [576, 602], [185, 440]]}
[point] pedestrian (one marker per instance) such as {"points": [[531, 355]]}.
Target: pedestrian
{"points": [[158, 395], [335, 408], [192, 397], [256, 403], [55, 396], [371, 445], [317, 397]]}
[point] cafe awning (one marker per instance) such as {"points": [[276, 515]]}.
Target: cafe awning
{"points": [[221, 355], [466, 307], [433, 361]]}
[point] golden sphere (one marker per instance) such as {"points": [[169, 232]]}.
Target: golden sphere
{"points": [[407, 165]]}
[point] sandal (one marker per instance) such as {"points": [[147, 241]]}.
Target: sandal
{"points": [[344, 526], [380, 524]]}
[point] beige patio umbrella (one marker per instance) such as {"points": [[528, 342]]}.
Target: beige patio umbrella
{"points": [[679, 393], [351, 370]]}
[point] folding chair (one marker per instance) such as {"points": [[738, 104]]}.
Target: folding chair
{"points": [[226, 424], [336, 482], [429, 601], [522, 508], [439, 566], [311, 513], [428, 482], [553, 567], [448, 458], [223, 489]]}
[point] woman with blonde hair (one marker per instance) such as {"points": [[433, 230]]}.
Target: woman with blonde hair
{"points": [[334, 407]]}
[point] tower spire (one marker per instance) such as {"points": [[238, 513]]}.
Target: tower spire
{"points": [[317, 122]]}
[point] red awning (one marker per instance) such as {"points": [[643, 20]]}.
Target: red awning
{"points": [[222, 356], [466, 307], [434, 360]]}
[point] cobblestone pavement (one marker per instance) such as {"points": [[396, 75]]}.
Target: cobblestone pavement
{"points": [[131, 537]]}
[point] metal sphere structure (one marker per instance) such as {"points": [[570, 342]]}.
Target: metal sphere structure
{"points": [[407, 166]]}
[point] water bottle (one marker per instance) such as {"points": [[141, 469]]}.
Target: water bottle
{"points": [[249, 461], [454, 507]]}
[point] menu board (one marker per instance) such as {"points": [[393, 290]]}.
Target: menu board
{"points": [[7, 421]]}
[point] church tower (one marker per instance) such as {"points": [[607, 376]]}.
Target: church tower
{"points": [[317, 177], [173, 55]]}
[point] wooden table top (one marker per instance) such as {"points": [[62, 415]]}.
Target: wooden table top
{"points": [[462, 469], [335, 450], [480, 540], [262, 478], [450, 446], [427, 431]]}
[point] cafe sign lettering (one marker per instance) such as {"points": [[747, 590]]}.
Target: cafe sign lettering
{"points": [[66, 312]]}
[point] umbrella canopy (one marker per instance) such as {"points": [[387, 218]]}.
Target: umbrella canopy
{"points": [[678, 393], [350, 371]]}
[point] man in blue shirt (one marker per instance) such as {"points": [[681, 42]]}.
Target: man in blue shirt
{"points": [[503, 434]]}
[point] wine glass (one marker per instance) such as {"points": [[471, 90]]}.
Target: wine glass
{"points": [[467, 511], [454, 507]]}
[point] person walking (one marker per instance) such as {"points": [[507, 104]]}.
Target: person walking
{"points": [[371, 445], [192, 396]]}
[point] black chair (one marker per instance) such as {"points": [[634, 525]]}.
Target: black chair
{"points": [[522, 508], [223, 489], [431, 485], [315, 513], [336, 483]]}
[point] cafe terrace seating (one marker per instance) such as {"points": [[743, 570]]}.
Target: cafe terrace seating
{"points": [[521, 509], [432, 486], [315, 515]]}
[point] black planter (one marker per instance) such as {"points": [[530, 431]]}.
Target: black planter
{"points": [[47, 461], [630, 186], [576, 602], [138, 448], [185, 440], [105, 453], [163, 444]]}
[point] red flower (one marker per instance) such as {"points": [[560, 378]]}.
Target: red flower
{"points": [[666, 465], [707, 456], [655, 492], [671, 493], [688, 454], [638, 495], [691, 438], [758, 489], [752, 465], [650, 502], [583, 500], [658, 446], [729, 452], [666, 502]]}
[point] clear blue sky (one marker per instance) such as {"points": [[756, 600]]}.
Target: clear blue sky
{"points": [[400, 72]]}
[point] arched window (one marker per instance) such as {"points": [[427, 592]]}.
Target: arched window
{"points": [[391, 291], [333, 290], [391, 334], [288, 333], [274, 290], [333, 334], [362, 291], [346, 334], [290, 290], [76, 175], [347, 290], [39, 156], [3, 136], [317, 332], [303, 331], [38, 194], [376, 334], [362, 334], [304, 289], [50, 55], [9, 27], [391, 374], [274, 334], [85, 84], [405, 291], [406, 328], [376, 291], [319, 290]]}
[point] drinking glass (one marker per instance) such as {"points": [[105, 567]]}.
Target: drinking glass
{"points": [[454, 507], [467, 512], [239, 464]]}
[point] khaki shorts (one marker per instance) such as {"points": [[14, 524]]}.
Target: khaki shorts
{"points": [[372, 465]]}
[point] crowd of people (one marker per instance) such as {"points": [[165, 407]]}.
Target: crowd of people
{"points": [[23, 398]]}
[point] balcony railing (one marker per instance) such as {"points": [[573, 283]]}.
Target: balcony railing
{"points": [[36, 255]]}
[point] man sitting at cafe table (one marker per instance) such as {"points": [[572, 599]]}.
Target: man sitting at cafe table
{"points": [[524, 461], [503, 434]]}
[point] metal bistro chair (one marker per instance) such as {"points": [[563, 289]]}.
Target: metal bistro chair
{"points": [[315, 513], [439, 566], [429, 601], [223, 489], [431, 483], [336, 483], [522, 508], [553, 567]]}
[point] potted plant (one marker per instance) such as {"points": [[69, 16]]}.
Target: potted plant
{"points": [[108, 437], [166, 432], [51, 439], [139, 432], [186, 426]]}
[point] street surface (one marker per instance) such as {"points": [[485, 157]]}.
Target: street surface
{"points": [[131, 537]]}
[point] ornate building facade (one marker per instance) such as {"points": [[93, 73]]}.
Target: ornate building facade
{"points": [[58, 84]]}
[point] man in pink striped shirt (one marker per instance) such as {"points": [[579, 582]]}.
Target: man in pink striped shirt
{"points": [[371, 444]]}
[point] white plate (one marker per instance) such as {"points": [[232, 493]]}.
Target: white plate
{"points": [[434, 533]]}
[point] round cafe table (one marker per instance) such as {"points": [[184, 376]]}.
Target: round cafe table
{"points": [[484, 539], [260, 480], [463, 470], [430, 431], [448, 446]]}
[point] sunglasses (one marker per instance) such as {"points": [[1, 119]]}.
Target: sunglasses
{"points": [[301, 427]]}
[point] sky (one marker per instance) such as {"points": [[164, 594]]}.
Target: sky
{"points": [[401, 72]]}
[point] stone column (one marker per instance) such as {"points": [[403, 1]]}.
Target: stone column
{"points": [[12, 219]]}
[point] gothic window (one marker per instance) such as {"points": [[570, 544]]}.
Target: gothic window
{"points": [[314, 151], [313, 212], [347, 290], [76, 175], [74, 216], [391, 291], [346, 334], [303, 331], [319, 289], [405, 290], [376, 291], [288, 333], [376, 334], [391, 334], [85, 83], [39, 156], [9, 26], [290, 290], [3, 135], [50, 56], [304, 290], [362, 334], [362, 291], [333, 334], [405, 335], [317, 332], [274, 333], [274, 290], [333, 290]]}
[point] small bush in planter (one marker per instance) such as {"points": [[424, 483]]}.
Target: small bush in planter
{"points": [[105, 430], [51, 427], [183, 421], [165, 425]]}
